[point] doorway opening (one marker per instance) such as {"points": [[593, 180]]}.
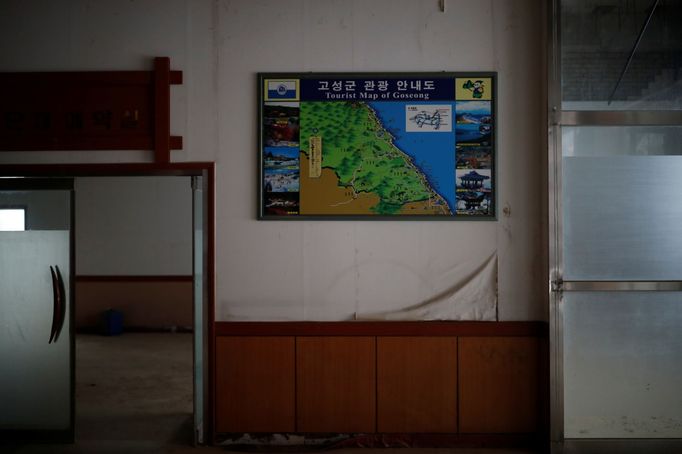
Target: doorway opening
{"points": [[188, 334], [133, 305]]}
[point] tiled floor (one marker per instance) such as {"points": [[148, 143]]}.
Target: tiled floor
{"points": [[134, 395]]}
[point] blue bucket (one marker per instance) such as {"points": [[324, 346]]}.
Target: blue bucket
{"points": [[112, 322]]}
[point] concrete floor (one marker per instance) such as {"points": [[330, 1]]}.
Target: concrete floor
{"points": [[134, 395]]}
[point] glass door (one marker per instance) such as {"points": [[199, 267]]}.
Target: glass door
{"points": [[615, 168], [622, 309], [36, 338]]}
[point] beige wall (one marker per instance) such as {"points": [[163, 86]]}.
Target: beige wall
{"points": [[316, 270]]}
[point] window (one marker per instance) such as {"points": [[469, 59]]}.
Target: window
{"points": [[12, 219]]}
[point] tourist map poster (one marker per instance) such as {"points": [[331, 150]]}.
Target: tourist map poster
{"points": [[377, 145]]}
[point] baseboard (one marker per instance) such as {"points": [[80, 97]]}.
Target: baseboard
{"points": [[138, 329], [144, 301]]}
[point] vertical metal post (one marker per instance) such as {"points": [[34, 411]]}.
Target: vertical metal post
{"points": [[555, 226]]}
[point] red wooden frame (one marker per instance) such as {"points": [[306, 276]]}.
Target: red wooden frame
{"points": [[98, 110], [385, 328], [152, 169]]}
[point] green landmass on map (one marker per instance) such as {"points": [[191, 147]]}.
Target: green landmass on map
{"points": [[361, 152]]}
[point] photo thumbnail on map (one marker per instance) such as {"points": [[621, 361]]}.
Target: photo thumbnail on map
{"points": [[474, 192], [473, 122], [473, 157], [281, 169], [281, 124], [281, 203]]}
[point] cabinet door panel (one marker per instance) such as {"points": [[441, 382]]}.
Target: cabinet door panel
{"points": [[417, 384], [499, 384], [336, 384], [255, 385]]}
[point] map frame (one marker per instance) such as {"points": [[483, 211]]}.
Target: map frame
{"points": [[287, 88]]}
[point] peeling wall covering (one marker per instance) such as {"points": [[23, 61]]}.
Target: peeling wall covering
{"points": [[317, 270], [474, 298]]}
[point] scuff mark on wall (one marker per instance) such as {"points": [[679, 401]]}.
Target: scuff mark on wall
{"points": [[506, 222], [473, 298]]}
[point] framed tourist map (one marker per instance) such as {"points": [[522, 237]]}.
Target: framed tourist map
{"points": [[377, 145]]}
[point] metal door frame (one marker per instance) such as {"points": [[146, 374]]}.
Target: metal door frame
{"points": [[53, 184], [200, 437], [557, 118]]}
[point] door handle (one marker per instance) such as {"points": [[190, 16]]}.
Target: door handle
{"points": [[55, 303], [62, 304]]}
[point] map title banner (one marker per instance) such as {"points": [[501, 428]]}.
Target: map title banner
{"points": [[376, 89], [375, 146]]}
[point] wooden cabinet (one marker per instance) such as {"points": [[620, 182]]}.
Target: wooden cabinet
{"points": [[255, 384], [336, 384], [417, 384], [499, 384], [451, 379]]}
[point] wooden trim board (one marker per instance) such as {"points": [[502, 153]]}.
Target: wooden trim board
{"points": [[134, 278], [417, 328]]}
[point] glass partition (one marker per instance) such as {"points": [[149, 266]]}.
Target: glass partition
{"points": [[599, 141], [620, 191], [621, 55], [615, 154], [622, 354], [622, 218]]}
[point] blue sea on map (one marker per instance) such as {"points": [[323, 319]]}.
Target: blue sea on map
{"points": [[432, 152]]}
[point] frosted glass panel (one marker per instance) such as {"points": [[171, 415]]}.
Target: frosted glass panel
{"points": [[35, 377], [596, 141], [623, 365], [622, 218]]}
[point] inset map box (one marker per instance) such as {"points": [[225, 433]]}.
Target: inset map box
{"points": [[428, 118]]}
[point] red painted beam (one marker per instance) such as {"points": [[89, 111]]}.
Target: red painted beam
{"points": [[162, 109]]}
